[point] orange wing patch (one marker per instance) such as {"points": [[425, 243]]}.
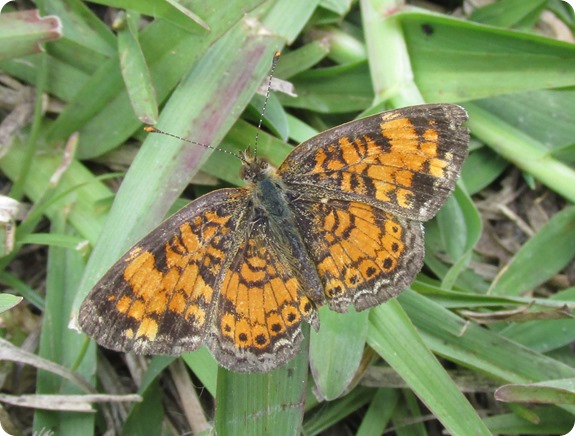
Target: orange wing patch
{"points": [[413, 151]]}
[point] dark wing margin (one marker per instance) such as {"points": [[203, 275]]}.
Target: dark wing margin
{"points": [[404, 161], [159, 297]]}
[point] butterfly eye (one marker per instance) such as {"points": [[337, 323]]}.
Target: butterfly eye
{"points": [[247, 172]]}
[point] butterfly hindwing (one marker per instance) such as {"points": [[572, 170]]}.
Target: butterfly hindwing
{"points": [[363, 255], [261, 307]]}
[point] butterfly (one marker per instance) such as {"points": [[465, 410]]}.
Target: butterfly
{"points": [[239, 269]]}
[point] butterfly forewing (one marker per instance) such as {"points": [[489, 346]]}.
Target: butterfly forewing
{"points": [[159, 297], [404, 161]]}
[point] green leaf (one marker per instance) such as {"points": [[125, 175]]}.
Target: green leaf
{"points": [[60, 344], [521, 149], [547, 392], [551, 420], [171, 11], [334, 370], [23, 32], [332, 90], [135, 72], [146, 417], [507, 13], [378, 413], [328, 414], [84, 32], [495, 62], [67, 241], [545, 336], [553, 127], [459, 341], [8, 301], [170, 52], [481, 168]]}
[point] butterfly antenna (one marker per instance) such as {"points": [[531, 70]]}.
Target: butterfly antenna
{"points": [[267, 96], [152, 129]]}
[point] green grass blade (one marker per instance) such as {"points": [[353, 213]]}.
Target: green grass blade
{"points": [[21, 33], [333, 369], [60, 344], [481, 168], [546, 392], [379, 412], [170, 11], [82, 28], [135, 72], [16, 285], [450, 336], [390, 66], [392, 336], [8, 301], [524, 151], [507, 13], [258, 404], [137, 210], [496, 61], [550, 420], [86, 217], [170, 52], [545, 336], [328, 414]]}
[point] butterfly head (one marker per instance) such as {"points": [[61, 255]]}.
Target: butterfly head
{"points": [[254, 169]]}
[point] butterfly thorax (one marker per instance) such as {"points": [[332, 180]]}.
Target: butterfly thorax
{"points": [[268, 190]]}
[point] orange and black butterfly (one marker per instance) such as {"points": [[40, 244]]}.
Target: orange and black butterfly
{"points": [[338, 223]]}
